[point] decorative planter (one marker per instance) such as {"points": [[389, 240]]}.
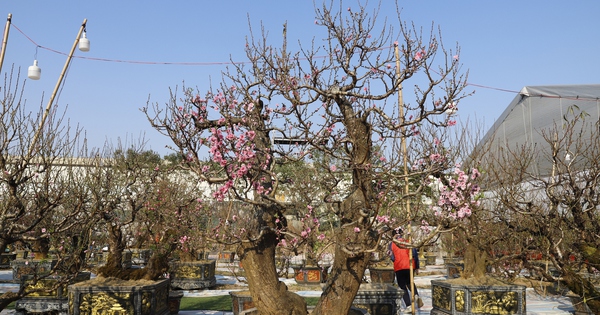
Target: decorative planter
{"points": [[30, 267], [142, 298], [382, 275], [126, 259], [203, 256], [374, 299], [52, 300], [378, 299], [174, 301], [140, 256], [453, 270], [450, 298], [310, 274], [224, 257], [241, 301], [193, 275], [430, 259], [98, 258], [422, 263], [5, 260], [449, 260], [22, 254]]}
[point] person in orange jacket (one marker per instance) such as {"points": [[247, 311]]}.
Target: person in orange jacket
{"points": [[401, 259]]}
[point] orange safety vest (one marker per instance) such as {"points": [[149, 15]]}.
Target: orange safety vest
{"points": [[401, 258]]}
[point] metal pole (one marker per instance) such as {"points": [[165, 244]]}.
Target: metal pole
{"points": [[51, 100], [406, 181], [5, 40]]}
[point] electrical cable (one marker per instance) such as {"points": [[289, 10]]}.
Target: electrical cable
{"points": [[244, 62]]}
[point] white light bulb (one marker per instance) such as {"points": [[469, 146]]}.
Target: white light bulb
{"points": [[34, 72], [84, 43]]}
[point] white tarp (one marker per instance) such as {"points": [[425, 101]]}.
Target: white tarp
{"points": [[538, 108]]}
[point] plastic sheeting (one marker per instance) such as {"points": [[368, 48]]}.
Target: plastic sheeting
{"points": [[537, 110]]}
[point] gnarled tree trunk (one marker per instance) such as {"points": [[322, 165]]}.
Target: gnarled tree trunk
{"points": [[475, 262], [269, 295]]}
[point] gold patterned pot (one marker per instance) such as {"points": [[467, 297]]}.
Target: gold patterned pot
{"points": [[382, 275], [5, 260], [430, 259], [454, 298], [175, 301], [310, 274], [193, 275], [114, 297], [49, 294]]}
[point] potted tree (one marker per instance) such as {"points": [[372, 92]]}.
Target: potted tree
{"points": [[471, 289], [262, 117], [548, 214], [134, 189]]}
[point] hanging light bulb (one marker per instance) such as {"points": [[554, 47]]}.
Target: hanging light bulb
{"points": [[84, 43], [34, 72]]}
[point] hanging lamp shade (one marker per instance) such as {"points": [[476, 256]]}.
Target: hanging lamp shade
{"points": [[84, 43], [34, 72]]}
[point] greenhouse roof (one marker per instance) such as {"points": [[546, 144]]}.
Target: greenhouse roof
{"points": [[542, 108]]}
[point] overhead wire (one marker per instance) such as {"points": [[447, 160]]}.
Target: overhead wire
{"points": [[241, 62]]}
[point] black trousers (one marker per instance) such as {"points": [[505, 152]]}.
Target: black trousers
{"points": [[403, 279]]}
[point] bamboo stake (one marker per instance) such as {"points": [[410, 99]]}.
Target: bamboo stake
{"points": [[406, 181], [51, 100], [5, 40]]}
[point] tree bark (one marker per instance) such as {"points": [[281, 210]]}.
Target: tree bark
{"points": [[348, 268], [270, 296], [584, 288], [116, 246], [475, 262], [342, 285]]}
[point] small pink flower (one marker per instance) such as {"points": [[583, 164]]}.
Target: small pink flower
{"points": [[419, 55], [333, 168], [356, 229], [43, 230], [321, 237]]}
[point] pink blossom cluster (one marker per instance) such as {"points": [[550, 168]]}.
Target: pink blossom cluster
{"points": [[458, 196]]}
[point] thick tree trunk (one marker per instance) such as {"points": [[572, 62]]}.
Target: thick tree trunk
{"points": [[116, 246], [342, 285], [475, 262], [348, 268], [584, 288], [270, 296]]}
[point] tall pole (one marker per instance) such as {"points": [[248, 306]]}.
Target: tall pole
{"points": [[5, 40], [58, 83], [406, 180]]}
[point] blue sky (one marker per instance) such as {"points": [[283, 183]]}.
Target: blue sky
{"points": [[505, 45]]}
